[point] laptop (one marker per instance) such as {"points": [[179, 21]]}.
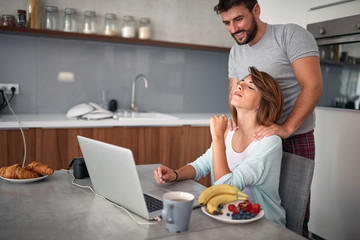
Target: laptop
{"points": [[113, 174]]}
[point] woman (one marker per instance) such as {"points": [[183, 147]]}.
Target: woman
{"points": [[235, 157]]}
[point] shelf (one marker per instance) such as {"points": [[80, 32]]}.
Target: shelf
{"points": [[103, 38]]}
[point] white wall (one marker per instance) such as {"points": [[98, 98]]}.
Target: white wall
{"points": [[185, 21], [284, 11]]}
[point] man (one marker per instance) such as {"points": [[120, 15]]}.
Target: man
{"points": [[290, 55]]}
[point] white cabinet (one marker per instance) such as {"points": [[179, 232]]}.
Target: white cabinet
{"points": [[335, 192], [325, 3], [343, 9]]}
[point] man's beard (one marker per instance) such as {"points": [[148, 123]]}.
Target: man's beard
{"points": [[251, 33]]}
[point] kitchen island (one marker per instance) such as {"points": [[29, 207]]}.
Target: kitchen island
{"points": [[53, 208]]}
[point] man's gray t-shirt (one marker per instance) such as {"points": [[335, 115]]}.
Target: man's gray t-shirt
{"points": [[277, 49]]}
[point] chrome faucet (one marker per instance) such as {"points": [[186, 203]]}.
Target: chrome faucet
{"points": [[133, 107]]}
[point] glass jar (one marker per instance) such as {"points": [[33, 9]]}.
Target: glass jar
{"points": [[51, 18], [144, 30], [110, 27], [33, 14], [8, 21], [70, 20], [128, 27], [21, 20], [89, 22]]}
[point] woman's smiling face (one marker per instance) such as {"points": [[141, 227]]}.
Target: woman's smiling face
{"points": [[246, 95]]}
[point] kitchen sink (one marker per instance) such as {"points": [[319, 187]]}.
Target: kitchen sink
{"points": [[145, 116]]}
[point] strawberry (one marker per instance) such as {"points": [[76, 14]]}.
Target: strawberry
{"points": [[255, 208], [241, 205], [231, 207], [254, 211], [247, 206]]}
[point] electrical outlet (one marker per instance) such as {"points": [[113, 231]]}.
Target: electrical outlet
{"points": [[16, 86], [8, 87], [3, 85]]}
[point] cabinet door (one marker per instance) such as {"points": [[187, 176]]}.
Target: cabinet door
{"points": [[150, 145], [197, 141], [12, 147], [324, 3], [57, 147], [171, 146]]}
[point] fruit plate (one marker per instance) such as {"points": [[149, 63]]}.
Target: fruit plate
{"points": [[41, 177], [228, 219]]}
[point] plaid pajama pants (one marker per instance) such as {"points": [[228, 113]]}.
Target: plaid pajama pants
{"points": [[303, 145]]}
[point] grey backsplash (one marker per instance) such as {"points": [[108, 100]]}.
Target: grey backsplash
{"points": [[180, 80]]}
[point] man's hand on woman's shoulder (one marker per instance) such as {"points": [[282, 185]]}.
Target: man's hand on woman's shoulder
{"points": [[273, 129]]}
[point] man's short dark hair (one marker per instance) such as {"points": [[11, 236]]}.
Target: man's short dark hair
{"points": [[225, 5]]}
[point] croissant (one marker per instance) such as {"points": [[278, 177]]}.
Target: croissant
{"points": [[40, 168], [17, 172], [9, 172], [2, 170]]}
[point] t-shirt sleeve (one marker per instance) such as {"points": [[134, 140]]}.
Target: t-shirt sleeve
{"points": [[298, 42]]}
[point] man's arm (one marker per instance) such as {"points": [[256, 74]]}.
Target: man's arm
{"points": [[308, 74]]}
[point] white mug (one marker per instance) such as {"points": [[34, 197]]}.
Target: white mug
{"points": [[177, 210]]}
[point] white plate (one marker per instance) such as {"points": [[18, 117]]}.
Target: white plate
{"points": [[41, 177], [228, 219]]}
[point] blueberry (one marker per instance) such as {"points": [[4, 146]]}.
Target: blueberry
{"points": [[221, 206], [228, 214], [252, 215]]}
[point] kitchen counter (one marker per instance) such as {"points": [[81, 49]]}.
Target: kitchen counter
{"points": [[53, 208], [60, 121]]}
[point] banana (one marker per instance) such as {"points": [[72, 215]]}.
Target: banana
{"points": [[213, 204], [212, 191]]}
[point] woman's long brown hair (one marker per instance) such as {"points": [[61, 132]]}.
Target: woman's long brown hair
{"points": [[272, 99]]}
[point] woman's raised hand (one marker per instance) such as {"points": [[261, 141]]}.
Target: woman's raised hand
{"points": [[218, 126]]}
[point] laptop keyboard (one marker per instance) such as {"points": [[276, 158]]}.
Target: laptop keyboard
{"points": [[153, 204]]}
